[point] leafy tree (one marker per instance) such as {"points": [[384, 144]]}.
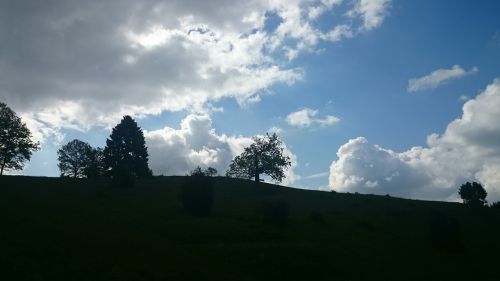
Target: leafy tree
{"points": [[263, 156], [495, 205], [96, 167], [74, 158], [126, 154], [209, 172], [473, 194], [197, 172], [16, 143]]}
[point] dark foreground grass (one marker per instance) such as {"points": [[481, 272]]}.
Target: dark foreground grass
{"points": [[63, 229]]}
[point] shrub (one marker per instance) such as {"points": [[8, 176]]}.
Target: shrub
{"points": [[275, 211], [445, 233], [197, 195]]}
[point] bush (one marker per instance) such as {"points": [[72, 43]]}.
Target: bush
{"points": [[445, 233], [197, 195], [275, 211]]}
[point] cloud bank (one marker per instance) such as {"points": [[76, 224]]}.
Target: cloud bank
{"points": [[469, 149], [78, 64], [438, 78]]}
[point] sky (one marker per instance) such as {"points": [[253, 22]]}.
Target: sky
{"points": [[372, 96]]}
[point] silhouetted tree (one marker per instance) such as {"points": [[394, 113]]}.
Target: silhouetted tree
{"points": [[74, 158], [126, 154], [16, 144], [263, 156], [209, 172], [96, 166], [495, 205], [473, 194]]}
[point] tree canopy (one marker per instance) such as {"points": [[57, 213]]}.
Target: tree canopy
{"points": [[264, 156], [78, 159], [208, 172], [74, 158], [126, 152], [473, 194], [16, 143], [96, 166]]}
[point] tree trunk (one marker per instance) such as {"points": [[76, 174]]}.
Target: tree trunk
{"points": [[1, 171], [257, 177]]}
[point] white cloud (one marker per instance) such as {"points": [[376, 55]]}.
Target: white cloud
{"points": [[372, 12], [317, 175], [339, 32], [468, 150], [438, 77], [179, 151], [463, 98], [306, 117], [84, 63]]}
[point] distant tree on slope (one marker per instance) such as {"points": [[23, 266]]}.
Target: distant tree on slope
{"points": [[74, 158], [126, 154], [208, 172], [473, 194], [96, 166], [211, 172], [16, 143], [263, 156]]}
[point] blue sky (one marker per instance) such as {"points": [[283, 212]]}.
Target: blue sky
{"points": [[261, 64]]}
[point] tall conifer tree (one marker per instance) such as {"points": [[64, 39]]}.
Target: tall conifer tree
{"points": [[126, 153]]}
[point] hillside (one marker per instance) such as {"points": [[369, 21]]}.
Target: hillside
{"points": [[77, 229]]}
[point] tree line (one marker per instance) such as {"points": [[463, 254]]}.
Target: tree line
{"points": [[125, 157]]}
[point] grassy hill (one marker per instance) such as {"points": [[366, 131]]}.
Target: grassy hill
{"points": [[76, 229]]}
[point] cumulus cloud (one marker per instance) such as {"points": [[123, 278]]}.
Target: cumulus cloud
{"points": [[469, 149], [306, 117], [79, 64], [195, 143], [438, 77], [372, 12]]}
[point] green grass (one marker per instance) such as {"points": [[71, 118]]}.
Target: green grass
{"points": [[65, 229]]}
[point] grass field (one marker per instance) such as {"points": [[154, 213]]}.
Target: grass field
{"points": [[76, 229]]}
